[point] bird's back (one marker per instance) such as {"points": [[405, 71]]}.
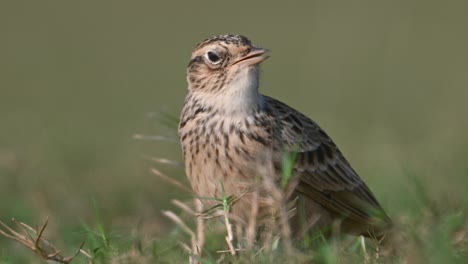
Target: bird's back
{"points": [[325, 176]]}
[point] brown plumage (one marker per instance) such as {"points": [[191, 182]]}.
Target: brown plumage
{"points": [[234, 136]]}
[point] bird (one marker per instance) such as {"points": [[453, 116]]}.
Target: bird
{"points": [[234, 138]]}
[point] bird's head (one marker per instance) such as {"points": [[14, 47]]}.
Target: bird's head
{"points": [[225, 63]]}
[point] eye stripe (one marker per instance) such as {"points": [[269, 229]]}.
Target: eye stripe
{"points": [[194, 60]]}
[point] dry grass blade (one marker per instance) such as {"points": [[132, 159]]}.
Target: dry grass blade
{"points": [[185, 207], [252, 226], [231, 247], [86, 253], [194, 252], [15, 236], [176, 219], [197, 238], [200, 227], [364, 250], [154, 137], [185, 247], [33, 238], [164, 161], [170, 180]]}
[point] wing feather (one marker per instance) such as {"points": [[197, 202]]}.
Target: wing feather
{"points": [[325, 175]]}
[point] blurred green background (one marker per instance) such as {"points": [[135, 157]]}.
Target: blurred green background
{"points": [[388, 80]]}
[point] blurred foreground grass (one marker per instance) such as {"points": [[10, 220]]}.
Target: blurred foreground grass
{"points": [[387, 80], [434, 230]]}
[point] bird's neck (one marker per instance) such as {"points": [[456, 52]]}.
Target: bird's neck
{"points": [[239, 97]]}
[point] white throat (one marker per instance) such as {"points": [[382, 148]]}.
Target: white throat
{"points": [[240, 97]]}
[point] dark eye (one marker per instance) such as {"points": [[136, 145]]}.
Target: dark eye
{"points": [[213, 57]]}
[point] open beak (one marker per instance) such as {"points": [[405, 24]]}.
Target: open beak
{"points": [[255, 56]]}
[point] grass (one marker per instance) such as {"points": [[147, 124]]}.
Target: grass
{"points": [[434, 233], [387, 80]]}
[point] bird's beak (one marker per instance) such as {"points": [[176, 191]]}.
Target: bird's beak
{"points": [[255, 56]]}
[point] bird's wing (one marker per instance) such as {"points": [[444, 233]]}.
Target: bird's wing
{"points": [[325, 175]]}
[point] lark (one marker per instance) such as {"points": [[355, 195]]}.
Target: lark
{"points": [[235, 139]]}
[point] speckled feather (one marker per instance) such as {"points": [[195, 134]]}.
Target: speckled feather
{"points": [[231, 134], [326, 176]]}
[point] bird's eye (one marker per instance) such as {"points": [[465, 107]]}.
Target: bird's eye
{"points": [[213, 57]]}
